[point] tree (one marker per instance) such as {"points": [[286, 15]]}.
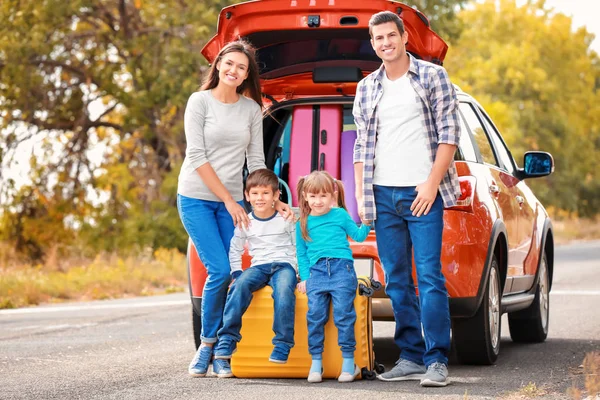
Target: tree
{"points": [[443, 16], [539, 81], [91, 75]]}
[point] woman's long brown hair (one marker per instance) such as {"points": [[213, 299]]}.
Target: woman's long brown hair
{"points": [[251, 85], [317, 182]]}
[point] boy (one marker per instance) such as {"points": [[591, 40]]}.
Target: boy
{"points": [[272, 246]]}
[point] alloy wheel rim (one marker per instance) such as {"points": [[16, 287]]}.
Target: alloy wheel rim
{"points": [[494, 308], [544, 294]]}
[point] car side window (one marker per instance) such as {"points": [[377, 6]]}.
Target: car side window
{"points": [[466, 144], [483, 143], [501, 149]]}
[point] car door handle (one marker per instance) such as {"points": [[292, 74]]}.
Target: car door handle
{"points": [[520, 199], [494, 189]]}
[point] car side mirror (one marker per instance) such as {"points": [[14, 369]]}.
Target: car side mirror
{"points": [[537, 164]]}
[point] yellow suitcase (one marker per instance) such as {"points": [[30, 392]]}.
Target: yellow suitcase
{"points": [[251, 360]]}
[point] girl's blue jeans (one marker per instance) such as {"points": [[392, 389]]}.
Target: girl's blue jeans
{"points": [[332, 281], [210, 227]]}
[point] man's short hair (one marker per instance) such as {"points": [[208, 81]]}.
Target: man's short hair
{"points": [[385, 17], [262, 177]]}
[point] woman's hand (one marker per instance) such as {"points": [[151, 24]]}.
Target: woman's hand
{"points": [[284, 209], [238, 214], [301, 287]]}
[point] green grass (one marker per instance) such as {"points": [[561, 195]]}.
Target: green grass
{"points": [[107, 276]]}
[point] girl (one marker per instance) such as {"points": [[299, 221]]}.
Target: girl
{"points": [[326, 267], [223, 128]]}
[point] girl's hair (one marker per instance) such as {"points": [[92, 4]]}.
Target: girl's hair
{"points": [[251, 85], [317, 182]]}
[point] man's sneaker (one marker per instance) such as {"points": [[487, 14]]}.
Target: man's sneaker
{"points": [[347, 376], [279, 355], [437, 375], [225, 349], [201, 360], [404, 370], [221, 368]]}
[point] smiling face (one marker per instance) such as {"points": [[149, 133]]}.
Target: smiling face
{"points": [[319, 203], [233, 69], [262, 199], [388, 43]]}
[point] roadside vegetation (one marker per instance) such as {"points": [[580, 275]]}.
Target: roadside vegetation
{"points": [[104, 277]]}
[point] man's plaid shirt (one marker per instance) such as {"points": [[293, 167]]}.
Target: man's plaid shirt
{"points": [[439, 117]]}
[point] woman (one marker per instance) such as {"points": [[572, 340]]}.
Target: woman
{"points": [[223, 128]]}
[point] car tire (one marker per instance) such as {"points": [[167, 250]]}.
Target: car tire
{"points": [[531, 324], [197, 326], [477, 339]]}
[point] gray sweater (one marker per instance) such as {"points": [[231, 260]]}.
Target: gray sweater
{"points": [[222, 135]]}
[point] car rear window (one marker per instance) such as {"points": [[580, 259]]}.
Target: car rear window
{"points": [[303, 47]]}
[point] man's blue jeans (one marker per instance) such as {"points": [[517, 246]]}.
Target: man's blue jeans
{"points": [[398, 234], [209, 225], [332, 280], [282, 278]]}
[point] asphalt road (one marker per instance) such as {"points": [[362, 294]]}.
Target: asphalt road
{"points": [[140, 348]]}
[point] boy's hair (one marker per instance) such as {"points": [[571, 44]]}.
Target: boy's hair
{"points": [[385, 17], [262, 177], [316, 182]]}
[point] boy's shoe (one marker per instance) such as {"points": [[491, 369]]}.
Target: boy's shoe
{"points": [[348, 377], [279, 356], [200, 362], [225, 349], [315, 377], [221, 368], [436, 375], [404, 370]]}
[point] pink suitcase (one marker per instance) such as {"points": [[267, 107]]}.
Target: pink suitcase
{"points": [[315, 142]]}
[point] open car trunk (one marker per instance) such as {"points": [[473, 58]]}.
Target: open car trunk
{"points": [[317, 47]]}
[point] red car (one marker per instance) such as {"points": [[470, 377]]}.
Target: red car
{"points": [[498, 247]]}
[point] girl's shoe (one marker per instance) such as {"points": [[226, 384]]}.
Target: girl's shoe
{"points": [[348, 377], [200, 362], [315, 377]]}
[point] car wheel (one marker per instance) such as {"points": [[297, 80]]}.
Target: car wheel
{"points": [[531, 324], [197, 325], [477, 339]]}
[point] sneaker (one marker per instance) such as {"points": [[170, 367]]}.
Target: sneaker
{"points": [[437, 375], [225, 349], [315, 377], [200, 362], [404, 370], [221, 368], [347, 376], [279, 356]]}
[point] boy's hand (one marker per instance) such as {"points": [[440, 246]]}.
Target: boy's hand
{"points": [[301, 287], [234, 276]]}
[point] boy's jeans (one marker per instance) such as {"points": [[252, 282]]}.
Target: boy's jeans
{"points": [[282, 278], [331, 280], [209, 225], [398, 233]]}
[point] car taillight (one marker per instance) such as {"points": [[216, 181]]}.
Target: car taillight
{"points": [[467, 194]]}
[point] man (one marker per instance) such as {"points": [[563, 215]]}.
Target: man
{"points": [[406, 115]]}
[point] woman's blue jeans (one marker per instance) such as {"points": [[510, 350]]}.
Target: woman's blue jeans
{"points": [[398, 234], [209, 225]]}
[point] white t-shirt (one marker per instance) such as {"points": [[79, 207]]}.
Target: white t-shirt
{"points": [[401, 155], [269, 240]]}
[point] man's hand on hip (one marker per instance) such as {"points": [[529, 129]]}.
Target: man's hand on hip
{"points": [[426, 194]]}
